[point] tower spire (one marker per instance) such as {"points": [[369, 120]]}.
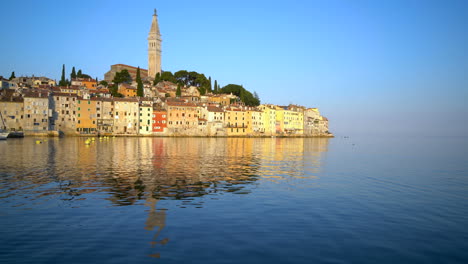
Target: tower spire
{"points": [[154, 47]]}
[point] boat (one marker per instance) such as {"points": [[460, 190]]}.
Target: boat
{"points": [[3, 134]]}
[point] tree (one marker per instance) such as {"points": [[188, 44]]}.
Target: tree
{"points": [[122, 77], [240, 91], [178, 91], [63, 82], [157, 78], [79, 74], [73, 73], [104, 83], [167, 76], [210, 89], [12, 76], [139, 83], [216, 86]]}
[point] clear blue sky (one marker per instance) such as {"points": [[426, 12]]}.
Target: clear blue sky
{"points": [[370, 66]]}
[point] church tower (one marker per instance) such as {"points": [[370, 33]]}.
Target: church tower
{"points": [[154, 48]]}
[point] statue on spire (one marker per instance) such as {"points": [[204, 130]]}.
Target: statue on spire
{"points": [[155, 14]]}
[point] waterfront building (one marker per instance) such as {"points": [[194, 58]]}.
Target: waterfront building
{"points": [[36, 112], [63, 106], [182, 117], [11, 109], [86, 115], [146, 119], [256, 121], [268, 119], [159, 120], [289, 122], [236, 120], [105, 116], [126, 117]]}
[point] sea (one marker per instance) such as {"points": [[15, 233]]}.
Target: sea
{"points": [[372, 199]]}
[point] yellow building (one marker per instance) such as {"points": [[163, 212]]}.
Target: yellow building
{"points": [[222, 99], [256, 121], [268, 119], [289, 122], [146, 119], [86, 115], [237, 121], [127, 90]]}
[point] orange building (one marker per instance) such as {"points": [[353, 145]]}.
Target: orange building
{"points": [[182, 115], [127, 90], [85, 82], [86, 115]]}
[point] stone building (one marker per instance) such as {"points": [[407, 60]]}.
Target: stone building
{"points": [[126, 116], [36, 112], [109, 76], [63, 106], [154, 47], [11, 110], [105, 116]]}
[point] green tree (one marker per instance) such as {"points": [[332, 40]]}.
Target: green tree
{"points": [[210, 89], [178, 91], [157, 78], [139, 83], [73, 73], [216, 86], [63, 82], [103, 83], [79, 74], [167, 76], [246, 96], [122, 77], [12, 76]]}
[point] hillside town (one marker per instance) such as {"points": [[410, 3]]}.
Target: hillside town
{"points": [[37, 106], [147, 102]]}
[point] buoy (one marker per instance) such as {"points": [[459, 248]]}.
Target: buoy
{"points": [[38, 142]]}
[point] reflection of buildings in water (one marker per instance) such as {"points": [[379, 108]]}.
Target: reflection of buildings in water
{"points": [[129, 170], [156, 219], [291, 158]]}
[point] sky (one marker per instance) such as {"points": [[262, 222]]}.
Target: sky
{"points": [[371, 67]]}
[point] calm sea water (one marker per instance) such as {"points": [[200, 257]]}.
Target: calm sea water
{"points": [[236, 200]]}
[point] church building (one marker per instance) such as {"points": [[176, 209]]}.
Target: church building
{"points": [[154, 56]]}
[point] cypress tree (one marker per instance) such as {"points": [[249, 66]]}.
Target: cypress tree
{"points": [[63, 82], [178, 91], [79, 74], [73, 73], [210, 88], [12, 76], [216, 86], [139, 83], [157, 78]]}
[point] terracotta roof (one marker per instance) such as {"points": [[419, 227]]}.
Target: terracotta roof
{"points": [[169, 103], [64, 94], [214, 109], [125, 65]]}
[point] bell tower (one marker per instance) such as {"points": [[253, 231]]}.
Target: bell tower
{"points": [[154, 48]]}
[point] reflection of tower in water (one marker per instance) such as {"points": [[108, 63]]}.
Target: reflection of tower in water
{"points": [[156, 219]]}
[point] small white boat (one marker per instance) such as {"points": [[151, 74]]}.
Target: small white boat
{"points": [[3, 134]]}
